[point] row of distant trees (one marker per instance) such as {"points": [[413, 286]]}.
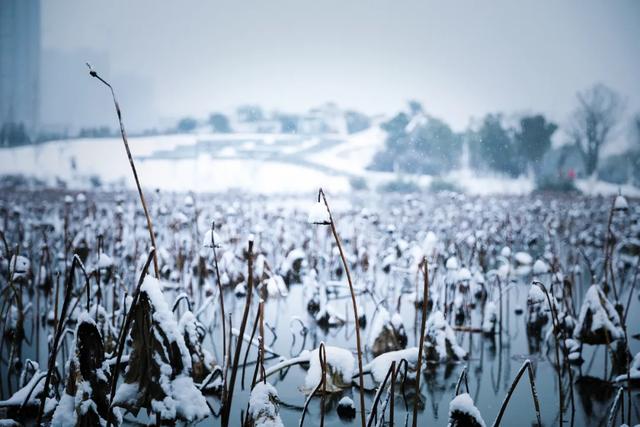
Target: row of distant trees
{"points": [[15, 134], [289, 123], [418, 143]]}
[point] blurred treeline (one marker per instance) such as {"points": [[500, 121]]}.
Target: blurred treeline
{"points": [[525, 145]]}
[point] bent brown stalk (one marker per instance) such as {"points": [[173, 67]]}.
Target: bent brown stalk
{"points": [[222, 315], [626, 341], [54, 349], [373, 415], [614, 407], [556, 331], [246, 353], [353, 302], [261, 348], [322, 355], [608, 251], [423, 323], [393, 393], [463, 376], [236, 357], [152, 236], [394, 369], [526, 366]]}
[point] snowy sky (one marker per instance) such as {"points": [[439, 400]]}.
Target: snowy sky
{"points": [[460, 58]]}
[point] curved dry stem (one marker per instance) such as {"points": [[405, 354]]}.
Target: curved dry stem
{"points": [[56, 341], [614, 407], [423, 323], [246, 353], [236, 357], [526, 366], [179, 298], [374, 407], [322, 355], [286, 364], [556, 331], [225, 356], [463, 375], [28, 397], [353, 302], [123, 133], [376, 399]]}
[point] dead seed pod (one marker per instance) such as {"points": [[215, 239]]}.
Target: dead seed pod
{"points": [[158, 376], [85, 401], [264, 406], [388, 333], [463, 412], [103, 323], [339, 370], [194, 333], [440, 341], [599, 322]]}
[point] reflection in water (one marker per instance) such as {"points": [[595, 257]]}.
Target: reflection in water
{"points": [[594, 395]]}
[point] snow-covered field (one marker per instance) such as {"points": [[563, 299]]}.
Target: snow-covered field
{"points": [[260, 163]]}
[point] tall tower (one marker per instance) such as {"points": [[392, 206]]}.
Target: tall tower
{"points": [[20, 63]]}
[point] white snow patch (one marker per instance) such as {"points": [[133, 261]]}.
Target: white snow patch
{"points": [[339, 360], [540, 267], [263, 408], [65, 414], [464, 403], [318, 213], [381, 364], [604, 314]]}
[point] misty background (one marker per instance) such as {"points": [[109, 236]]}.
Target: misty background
{"points": [[461, 59], [498, 86]]}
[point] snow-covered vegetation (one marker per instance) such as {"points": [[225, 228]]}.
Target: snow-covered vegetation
{"points": [[233, 323]]}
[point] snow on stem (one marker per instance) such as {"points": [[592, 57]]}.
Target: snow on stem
{"points": [[614, 407], [526, 366], [125, 328], [261, 349], [463, 375]]}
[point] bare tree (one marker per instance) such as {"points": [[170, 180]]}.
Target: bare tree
{"points": [[599, 109]]}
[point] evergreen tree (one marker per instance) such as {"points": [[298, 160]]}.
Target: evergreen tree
{"points": [[534, 139]]}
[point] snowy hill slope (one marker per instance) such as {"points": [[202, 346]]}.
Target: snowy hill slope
{"points": [[261, 163]]}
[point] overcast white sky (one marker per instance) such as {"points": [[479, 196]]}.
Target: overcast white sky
{"points": [[460, 58]]}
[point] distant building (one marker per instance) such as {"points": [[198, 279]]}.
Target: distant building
{"points": [[19, 66], [312, 124]]}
